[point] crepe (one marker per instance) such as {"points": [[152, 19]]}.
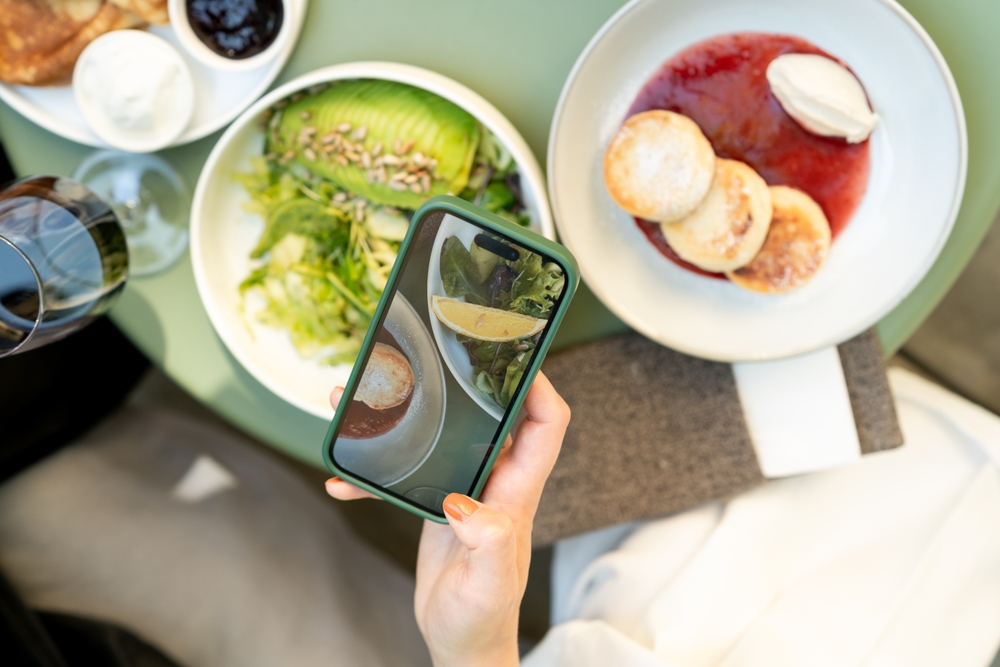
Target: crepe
{"points": [[40, 40], [154, 11]]}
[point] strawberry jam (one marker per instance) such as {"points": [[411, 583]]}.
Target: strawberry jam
{"points": [[721, 85]]}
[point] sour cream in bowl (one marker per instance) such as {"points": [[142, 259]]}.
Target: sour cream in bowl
{"points": [[134, 90]]}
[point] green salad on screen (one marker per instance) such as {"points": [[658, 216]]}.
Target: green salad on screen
{"points": [[344, 167]]}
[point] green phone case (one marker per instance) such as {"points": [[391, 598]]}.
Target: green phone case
{"points": [[531, 240]]}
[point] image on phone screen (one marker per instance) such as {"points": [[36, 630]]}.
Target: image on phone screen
{"points": [[465, 319]]}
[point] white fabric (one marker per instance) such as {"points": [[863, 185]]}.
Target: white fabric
{"points": [[894, 561], [798, 413]]}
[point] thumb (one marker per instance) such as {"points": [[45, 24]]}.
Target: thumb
{"points": [[487, 533]]}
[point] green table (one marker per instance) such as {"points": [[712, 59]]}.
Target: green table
{"points": [[517, 54]]}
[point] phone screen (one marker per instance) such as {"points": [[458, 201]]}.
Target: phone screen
{"points": [[467, 313]]}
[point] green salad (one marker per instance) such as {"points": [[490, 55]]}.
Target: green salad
{"points": [[344, 167], [526, 286]]}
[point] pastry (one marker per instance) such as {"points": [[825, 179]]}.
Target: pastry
{"points": [[795, 248], [659, 166], [729, 227]]}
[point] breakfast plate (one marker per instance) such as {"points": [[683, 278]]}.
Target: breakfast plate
{"points": [[390, 457], [917, 177], [223, 233], [220, 95]]}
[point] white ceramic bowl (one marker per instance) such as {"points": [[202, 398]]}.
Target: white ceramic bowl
{"points": [[391, 457], [193, 45], [89, 89], [453, 352], [918, 166], [223, 234]]}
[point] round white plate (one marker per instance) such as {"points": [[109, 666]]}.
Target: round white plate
{"points": [[454, 353], [391, 457], [219, 95], [918, 152], [223, 234]]}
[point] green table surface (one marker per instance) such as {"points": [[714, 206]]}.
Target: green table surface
{"points": [[517, 54]]}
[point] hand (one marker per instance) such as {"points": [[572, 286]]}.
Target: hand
{"points": [[471, 573]]}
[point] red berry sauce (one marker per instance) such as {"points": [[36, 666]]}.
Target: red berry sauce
{"points": [[721, 85]]}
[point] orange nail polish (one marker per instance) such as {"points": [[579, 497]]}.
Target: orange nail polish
{"points": [[459, 507]]}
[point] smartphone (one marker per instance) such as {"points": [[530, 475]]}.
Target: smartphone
{"points": [[471, 305]]}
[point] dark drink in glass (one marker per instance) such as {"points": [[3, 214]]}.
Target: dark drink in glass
{"points": [[63, 261]]}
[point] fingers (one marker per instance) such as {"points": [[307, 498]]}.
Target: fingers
{"points": [[335, 396], [488, 534], [540, 435], [342, 490]]}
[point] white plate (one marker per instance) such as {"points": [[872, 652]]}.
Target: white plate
{"points": [[454, 353], [223, 234], [391, 457], [220, 95], [918, 153]]}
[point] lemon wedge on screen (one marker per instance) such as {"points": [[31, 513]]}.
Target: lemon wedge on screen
{"points": [[482, 322]]}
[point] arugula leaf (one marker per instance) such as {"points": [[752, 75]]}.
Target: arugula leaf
{"points": [[460, 273]]}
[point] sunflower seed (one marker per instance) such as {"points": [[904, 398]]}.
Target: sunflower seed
{"points": [[304, 115], [425, 182], [344, 128], [329, 138], [360, 133], [342, 160], [419, 159], [396, 185], [377, 149], [404, 147], [287, 157], [432, 164], [352, 156], [397, 177], [412, 178], [366, 160], [415, 187], [380, 174], [310, 154], [390, 160], [340, 197], [275, 120]]}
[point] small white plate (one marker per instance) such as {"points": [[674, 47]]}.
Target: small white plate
{"points": [[918, 152], [223, 234], [391, 457], [454, 353], [219, 95]]}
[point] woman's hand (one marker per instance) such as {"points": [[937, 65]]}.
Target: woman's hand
{"points": [[471, 573]]}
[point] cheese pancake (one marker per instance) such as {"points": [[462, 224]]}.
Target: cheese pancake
{"points": [[659, 166], [729, 227], [388, 379], [40, 40], [796, 246]]}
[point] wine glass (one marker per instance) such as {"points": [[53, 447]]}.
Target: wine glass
{"points": [[151, 201], [63, 261]]}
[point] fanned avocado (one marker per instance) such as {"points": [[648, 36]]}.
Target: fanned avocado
{"points": [[415, 143]]}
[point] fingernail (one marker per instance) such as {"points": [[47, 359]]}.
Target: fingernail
{"points": [[460, 507], [332, 482]]}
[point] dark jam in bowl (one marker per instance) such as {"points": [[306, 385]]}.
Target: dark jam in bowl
{"points": [[236, 29], [363, 422], [721, 85]]}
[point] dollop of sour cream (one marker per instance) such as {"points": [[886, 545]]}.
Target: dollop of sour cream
{"points": [[134, 90], [822, 96]]}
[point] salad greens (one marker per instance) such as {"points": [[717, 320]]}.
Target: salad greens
{"points": [[526, 285], [343, 168]]}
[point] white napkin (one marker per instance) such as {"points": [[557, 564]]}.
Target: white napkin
{"points": [[893, 561], [798, 413]]}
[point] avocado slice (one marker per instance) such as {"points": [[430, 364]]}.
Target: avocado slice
{"points": [[389, 142]]}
